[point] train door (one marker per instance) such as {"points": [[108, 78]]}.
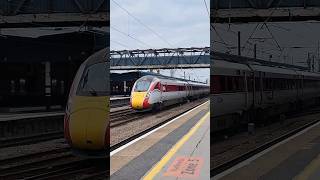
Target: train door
{"points": [[158, 92], [163, 92], [246, 88], [300, 86], [258, 88]]}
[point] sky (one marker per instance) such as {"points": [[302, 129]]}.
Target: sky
{"points": [[179, 24], [286, 42]]}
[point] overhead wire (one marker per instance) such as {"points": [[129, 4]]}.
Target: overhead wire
{"points": [[146, 26], [205, 3], [266, 20], [136, 39], [121, 44]]}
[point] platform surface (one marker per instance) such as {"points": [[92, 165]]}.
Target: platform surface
{"points": [[18, 116], [114, 98], [179, 150], [295, 158]]}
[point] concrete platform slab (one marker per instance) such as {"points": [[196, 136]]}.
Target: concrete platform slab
{"points": [[135, 161], [191, 160], [295, 158]]}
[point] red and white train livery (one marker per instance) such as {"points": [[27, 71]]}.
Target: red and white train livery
{"points": [[155, 92], [250, 91]]}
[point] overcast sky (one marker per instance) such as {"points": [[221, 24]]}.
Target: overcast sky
{"points": [[295, 39], [180, 23]]}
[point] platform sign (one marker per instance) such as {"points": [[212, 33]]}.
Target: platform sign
{"points": [[185, 167]]}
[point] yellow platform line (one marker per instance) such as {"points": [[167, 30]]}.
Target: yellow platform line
{"points": [[309, 170], [157, 168]]}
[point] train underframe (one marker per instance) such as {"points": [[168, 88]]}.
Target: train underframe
{"points": [[238, 121]]}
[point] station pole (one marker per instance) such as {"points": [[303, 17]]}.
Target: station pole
{"points": [[255, 51], [48, 84], [239, 44]]}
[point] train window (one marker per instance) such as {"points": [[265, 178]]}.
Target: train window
{"points": [[267, 83], [234, 84], [241, 84], [171, 88], [229, 84], [223, 83], [22, 85], [12, 87], [54, 85], [164, 88], [250, 84], [257, 84], [142, 85], [183, 88], [94, 80], [157, 86]]}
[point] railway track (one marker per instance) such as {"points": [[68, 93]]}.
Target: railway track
{"points": [[18, 141], [138, 134], [61, 163], [125, 117], [23, 140], [52, 164], [244, 156]]}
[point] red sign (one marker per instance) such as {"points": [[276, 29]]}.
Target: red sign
{"points": [[185, 167]]}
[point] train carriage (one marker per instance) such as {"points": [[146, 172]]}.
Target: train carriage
{"points": [[155, 92], [243, 92], [86, 123]]}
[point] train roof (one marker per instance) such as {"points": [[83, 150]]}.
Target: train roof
{"points": [[275, 70], [307, 73], [133, 75], [227, 64], [179, 80], [248, 60], [243, 63], [97, 57]]}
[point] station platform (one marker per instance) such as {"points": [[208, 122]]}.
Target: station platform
{"points": [[179, 149], [7, 110], [119, 97], [297, 157], [18, 116], [118, 101]]}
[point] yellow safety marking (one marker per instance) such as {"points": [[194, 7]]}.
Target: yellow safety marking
{"points": [[137, 99], [157, 168], [88, 121], [312, 168]]}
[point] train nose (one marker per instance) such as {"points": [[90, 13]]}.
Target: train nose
{"points": [[139, 100], [88, 124]]}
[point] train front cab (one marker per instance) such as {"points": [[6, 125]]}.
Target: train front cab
{"points": [[145, 93], [86, 119]]}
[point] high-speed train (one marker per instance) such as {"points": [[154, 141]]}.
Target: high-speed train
{"points": [[243, 92], [154, 92], [86, 122]]}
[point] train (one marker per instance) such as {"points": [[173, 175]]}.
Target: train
{"points": [[245, 92], [154, 92], [86, 121]]}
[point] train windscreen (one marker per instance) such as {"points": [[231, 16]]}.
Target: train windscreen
{"points": [[142, 85], [94, 81]]}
